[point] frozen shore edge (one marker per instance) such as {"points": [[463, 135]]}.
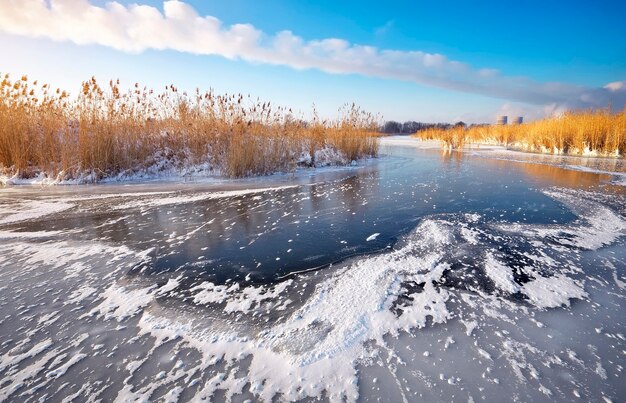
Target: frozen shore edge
{"points": [[199, 173], [508, 154]]}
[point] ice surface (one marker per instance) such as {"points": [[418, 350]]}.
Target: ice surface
{"points": [[465, 306], [616, 167], [317, 347]]}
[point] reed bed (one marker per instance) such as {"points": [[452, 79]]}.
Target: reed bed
{"points": [[589, 133], [104, 132]]}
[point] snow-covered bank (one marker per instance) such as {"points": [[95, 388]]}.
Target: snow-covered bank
{"points": [[168, 169]]}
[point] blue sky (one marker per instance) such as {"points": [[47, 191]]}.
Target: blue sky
{"points": [[581, 41], [579, 45]]}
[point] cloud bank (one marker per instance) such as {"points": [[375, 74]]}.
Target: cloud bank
{"points": [[135, 28]]}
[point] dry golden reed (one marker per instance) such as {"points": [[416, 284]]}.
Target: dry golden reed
{"points": [[581, 133], [104, 131]]}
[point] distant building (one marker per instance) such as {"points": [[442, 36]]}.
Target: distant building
{"points": [[502, 120], [518, 120]]}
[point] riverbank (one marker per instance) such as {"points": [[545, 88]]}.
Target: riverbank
{"points": [[583, 133], [174, 171]]}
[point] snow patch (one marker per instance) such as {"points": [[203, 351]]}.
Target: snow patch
{"points": [[165, 201], [500, 274], [551, 292], [31, 210], [120, 303]]}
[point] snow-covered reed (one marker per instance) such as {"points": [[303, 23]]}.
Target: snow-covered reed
{"points": [[104, 132]]}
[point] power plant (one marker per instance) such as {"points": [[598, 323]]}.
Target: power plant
{"points": [[503, 120]]}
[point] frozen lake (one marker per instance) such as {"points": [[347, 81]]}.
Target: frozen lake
{"points": [[423, 275]]}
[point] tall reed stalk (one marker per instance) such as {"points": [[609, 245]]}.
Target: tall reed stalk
{"points": [[105, 131], [580, 132]]}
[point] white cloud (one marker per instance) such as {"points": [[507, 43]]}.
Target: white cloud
{"points": [[616, 86], [135, 28]]}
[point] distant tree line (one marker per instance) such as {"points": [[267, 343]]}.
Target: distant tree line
{"points": [[410, 127]]}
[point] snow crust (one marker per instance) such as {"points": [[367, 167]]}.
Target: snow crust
{"points": [[550, 292], [501, 275], [597, 225], [32, 210], [172, 200], [316, 348]]}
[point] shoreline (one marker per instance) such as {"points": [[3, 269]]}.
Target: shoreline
{"points": [[569, 162], [200, 174], [428, 144], [188, 175]]}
